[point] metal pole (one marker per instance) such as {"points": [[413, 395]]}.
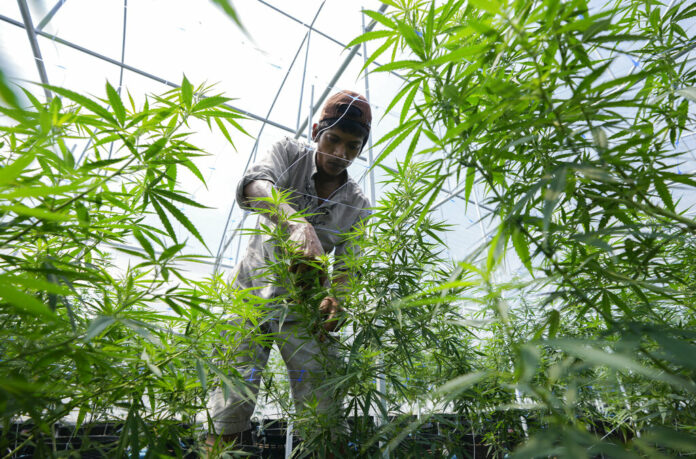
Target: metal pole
{"points": [[218, 260], [381, 382], [288, 440], [370, 159], [239, 241], [518, 395], [311, 28], [338, 74], [311, 113], [31, 33], [50, 15], [304, 73], [123, 58], [123, 45]]}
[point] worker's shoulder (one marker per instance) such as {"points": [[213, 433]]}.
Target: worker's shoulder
{"points": [[292, 146], [357, 196]]}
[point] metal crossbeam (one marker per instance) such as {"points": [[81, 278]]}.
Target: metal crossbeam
{"points": [[139, 71], [308, 26]]}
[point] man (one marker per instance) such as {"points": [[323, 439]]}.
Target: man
{"points": [[316, 181]]}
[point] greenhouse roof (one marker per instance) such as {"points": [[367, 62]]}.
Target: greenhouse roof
{"points": [[288, 56], [291, 53]]}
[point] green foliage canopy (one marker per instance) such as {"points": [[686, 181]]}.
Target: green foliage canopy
{"points": [[580, 168]]}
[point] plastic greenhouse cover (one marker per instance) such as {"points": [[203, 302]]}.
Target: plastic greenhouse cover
{"points": [[82, 42]]}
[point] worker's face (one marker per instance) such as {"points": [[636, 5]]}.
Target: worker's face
{"points": [[336, 150]]}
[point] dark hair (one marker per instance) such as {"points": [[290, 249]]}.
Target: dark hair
{"points": [[345, 125]]}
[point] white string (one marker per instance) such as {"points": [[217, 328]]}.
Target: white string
{"points": [[322, 199], [308, 150], [372, 105]]}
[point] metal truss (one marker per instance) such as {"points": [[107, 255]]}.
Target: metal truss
{"points": [[33, 32], [139, 71]]}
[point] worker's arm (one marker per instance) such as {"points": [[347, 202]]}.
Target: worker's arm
{"points": [[303, 233], [299, 229]]}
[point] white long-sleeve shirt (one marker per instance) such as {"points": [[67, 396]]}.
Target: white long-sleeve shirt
{"points": [[291, 165]]}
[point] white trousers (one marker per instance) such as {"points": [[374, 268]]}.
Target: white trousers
{"points": [[308, 361]]}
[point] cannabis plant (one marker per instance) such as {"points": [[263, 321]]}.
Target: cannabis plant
{"points": [[579, 163], [82, 336]]}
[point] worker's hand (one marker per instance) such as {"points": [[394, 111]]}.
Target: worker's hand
{"points": [[309, 274], [304, 236], [330, 309]]}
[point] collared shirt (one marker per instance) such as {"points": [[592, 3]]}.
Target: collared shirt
{"points": [[291, 166]]}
